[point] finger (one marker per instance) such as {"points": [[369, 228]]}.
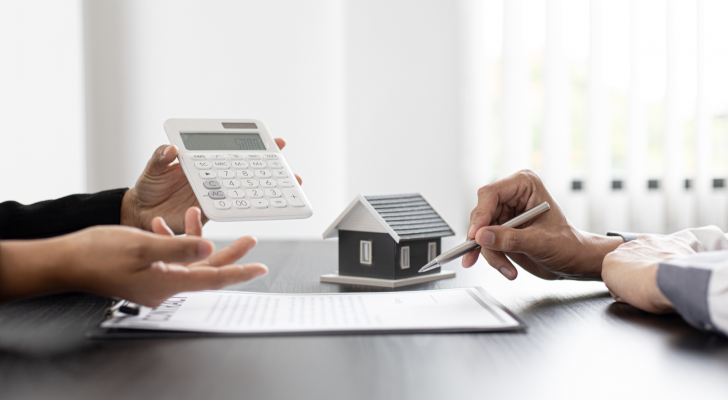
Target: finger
{"points": [[500, 262], [185, 279], [193, 222], [162, 157], [233, 252], [516, 192], [280, 142], [470, 258], [509, 240], [298, 178], [150, 248], [616, 297], [160, 227]]}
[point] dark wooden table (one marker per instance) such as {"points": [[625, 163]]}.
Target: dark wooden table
{"points": [[579, 344]]}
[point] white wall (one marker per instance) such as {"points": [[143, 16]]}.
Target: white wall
{"points": [[41, 100], [373, 96], [402, 104], [277, 61]]}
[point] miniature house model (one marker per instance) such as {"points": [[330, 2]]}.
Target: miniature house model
{"points": [[385, 240]]}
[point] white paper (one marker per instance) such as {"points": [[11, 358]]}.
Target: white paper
{"points": [[246, 312]]}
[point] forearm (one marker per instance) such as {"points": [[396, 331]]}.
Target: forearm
{"points": [[128, 215], [61, 216], [31, 268], [596, 248]]}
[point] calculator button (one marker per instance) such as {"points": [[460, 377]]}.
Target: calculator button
{"points": [[293, 197], [221, 204], [226, 173], [216, 194], [279, 173], [257, 164], [241, 204], [231, 184], [278, 203], [270, 156], [203, 165], [221, 164], [275, 164], [240, 164], [262, 173], [236, 194], [215, 156], [260, 203], [267, 183], [208, 174], [255, 193], [211, 184], [285, 183], [246, 174], [233, 157], [273, 192], [197, 157], [250, 183], [253, 157]]}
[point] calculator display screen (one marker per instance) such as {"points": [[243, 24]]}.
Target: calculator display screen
{"points": [[222, 141]]}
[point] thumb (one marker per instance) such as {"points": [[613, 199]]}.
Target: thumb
{"points": [[162, 157], [174, 249], [507, 240]]}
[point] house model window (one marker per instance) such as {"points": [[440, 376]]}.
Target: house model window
{"points": [[404, 261], [431, 251], [365, 252]]}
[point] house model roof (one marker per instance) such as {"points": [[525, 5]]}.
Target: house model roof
{"points": [[402, 216]]}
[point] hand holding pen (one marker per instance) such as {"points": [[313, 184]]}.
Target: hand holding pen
{"points": [[549, 246], [470, 245]]}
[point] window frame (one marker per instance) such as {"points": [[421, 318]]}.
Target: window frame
{"points": [[368, 244], [402, 263], [431, 250]]}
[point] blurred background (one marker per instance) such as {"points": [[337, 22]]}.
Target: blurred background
{"points": [[621, 106]]}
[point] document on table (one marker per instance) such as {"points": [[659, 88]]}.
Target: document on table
{"points": [[218, 311]]}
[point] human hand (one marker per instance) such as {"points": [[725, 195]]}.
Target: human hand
{"points": [[124, 262], [630, 272], [549, 246], [163, 190]]}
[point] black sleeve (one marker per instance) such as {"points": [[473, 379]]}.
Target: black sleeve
{"points": [[57, 217]]}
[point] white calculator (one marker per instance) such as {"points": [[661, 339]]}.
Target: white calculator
{"points": [[237, 170]]}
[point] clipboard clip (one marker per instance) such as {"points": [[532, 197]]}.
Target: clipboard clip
{"points": [[124, 307]]}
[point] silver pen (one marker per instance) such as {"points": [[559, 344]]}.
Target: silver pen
{"points": [[470, 245]]}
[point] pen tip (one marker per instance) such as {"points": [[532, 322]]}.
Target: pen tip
{"points": [[426, 267]]}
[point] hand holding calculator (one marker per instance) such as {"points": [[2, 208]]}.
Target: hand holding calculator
{"points": [[236, 170]]}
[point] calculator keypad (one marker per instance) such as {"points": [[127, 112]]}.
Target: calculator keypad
{"points": [[254, 193], [236, 194], [245, 174], [216, 194], [244, 181], [221, 204], [203, 165], [231, 183], [260, 203], [211, 184]]}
